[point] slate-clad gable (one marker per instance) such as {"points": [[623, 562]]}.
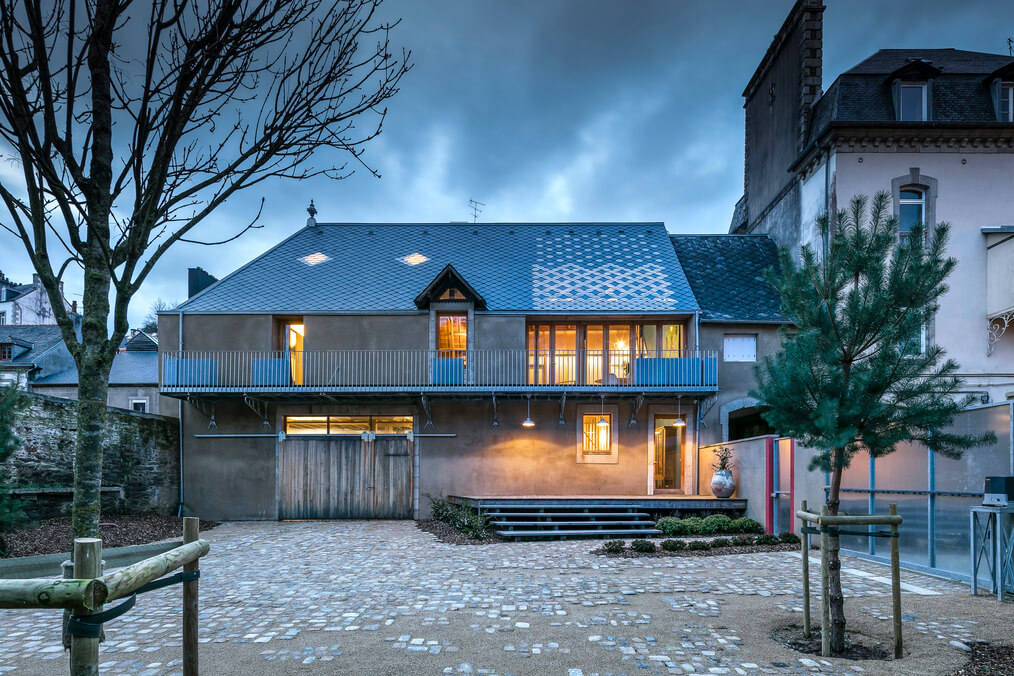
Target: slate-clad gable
{"points": [[726, 273], [553, 268]]}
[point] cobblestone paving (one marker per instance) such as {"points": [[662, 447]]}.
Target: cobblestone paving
{"points": [[430, 601]]}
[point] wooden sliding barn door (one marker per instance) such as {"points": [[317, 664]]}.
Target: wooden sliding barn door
{"points": [[345, 478]]}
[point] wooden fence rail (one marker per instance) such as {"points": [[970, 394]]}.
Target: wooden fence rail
{"points": [[86, 594]]}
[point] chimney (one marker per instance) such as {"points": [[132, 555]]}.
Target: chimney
{"points": [[198, 280], [811, 29], [73, 306], [312, 210]]}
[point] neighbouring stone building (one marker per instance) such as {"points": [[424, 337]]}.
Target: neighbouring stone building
{"points": [[27, 303]]}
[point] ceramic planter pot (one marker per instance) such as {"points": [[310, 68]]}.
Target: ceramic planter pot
{"points": [[722, 484]]}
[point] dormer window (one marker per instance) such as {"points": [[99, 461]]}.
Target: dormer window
{"points": [[1007, 102], [912, 103]]}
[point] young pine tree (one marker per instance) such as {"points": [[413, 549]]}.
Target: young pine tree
{"points": [[855, 377]]}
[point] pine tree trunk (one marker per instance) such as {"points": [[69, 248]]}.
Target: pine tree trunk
{"points": [[835, 597]]}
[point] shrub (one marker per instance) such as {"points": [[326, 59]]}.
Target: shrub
{"points": [[698, 526], [720, 522], [673, 545], [743, 540], [766, 539], [614, 546], [643, 546], [670, 525], [745, 525], [698, 545], [463, 519], [723, 459], [721, 542], [789, 538]]}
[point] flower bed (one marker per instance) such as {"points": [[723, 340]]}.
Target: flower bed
{"points": [[741, 544]]}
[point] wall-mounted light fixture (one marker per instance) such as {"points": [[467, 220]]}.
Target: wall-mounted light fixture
{"points": [[602, 413]]}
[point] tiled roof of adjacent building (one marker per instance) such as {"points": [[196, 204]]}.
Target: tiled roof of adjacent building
{"points": [[129, 368], [42, 339], [726, 273], [960, 92], [530, 267]]}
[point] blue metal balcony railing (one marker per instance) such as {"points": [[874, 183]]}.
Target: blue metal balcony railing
{"points": [[244, 371]]}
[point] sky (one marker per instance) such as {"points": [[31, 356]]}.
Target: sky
{"points": [[562, 110]]}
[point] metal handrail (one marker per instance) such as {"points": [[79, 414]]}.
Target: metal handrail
{"points": [[487, 369]]}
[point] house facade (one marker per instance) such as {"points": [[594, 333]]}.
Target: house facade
{"points": [[27, 304], [934, 128], [355, 368]]}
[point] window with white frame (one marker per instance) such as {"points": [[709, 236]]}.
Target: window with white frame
{"points": [[912, 103], [1007, 102], [740, 347], [911, 210], [3, 318], [139, 405]]}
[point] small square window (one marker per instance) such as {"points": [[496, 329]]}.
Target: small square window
{"points": [[139, 405], [740, 348]]}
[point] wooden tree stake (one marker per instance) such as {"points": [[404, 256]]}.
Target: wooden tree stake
{"points": [[191, 532], [825, 574], [804, 539], [895, 584], [84, 652]]}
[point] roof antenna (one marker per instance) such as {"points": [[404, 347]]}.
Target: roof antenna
{"points": [[1010, 46], [312, 210], [475, 208]]}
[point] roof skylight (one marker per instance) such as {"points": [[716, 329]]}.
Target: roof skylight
{"points": [[315, 258], [414, 259]]}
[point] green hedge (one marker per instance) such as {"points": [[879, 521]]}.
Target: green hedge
{"points": [[713, 525], [463, 519]]}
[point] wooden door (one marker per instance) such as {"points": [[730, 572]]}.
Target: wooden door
{"points": [[345, 478]]}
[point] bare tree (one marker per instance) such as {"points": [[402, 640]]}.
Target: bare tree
{"points": [[150, 324], [131, 122]]}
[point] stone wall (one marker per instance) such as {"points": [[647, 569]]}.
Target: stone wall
{"points": [[141, 458]]}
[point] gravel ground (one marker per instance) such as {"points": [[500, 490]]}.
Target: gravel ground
{"points": [[52, 536]]}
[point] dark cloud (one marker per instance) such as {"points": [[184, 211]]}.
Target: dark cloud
{"points": [[570, 109]]}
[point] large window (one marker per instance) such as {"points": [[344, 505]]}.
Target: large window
{"points": [[292, 335], [912, 106], [911, 210], [596, 354], [1007, 102], [347, 424]]}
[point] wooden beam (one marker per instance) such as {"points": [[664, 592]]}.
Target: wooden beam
{"points": [[126, 581], [47, 593]]}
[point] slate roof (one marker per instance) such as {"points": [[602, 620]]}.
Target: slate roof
{"points": [[43, 338], [15, 291], [863, 93], [129, 368], [516, 267], [726, 273]]}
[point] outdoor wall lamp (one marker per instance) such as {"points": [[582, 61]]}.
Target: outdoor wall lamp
{"points": [[528, 419], [602, 413]]}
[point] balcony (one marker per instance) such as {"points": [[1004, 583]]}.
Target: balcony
{"points": [[446, 371]]}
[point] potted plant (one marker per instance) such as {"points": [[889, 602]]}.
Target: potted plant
{"points": [[723, 485]]}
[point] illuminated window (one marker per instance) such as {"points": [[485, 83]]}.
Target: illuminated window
{"points": [[452, 294], [348, 424], [452, 333], [414, 259], [315, 258], [292, 346], [597, 437]]}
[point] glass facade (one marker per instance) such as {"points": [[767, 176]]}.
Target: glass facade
{"points": [[348, 424]]}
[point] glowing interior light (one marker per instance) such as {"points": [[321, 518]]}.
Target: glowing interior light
{"points": [[315, 258], [414, 259]]}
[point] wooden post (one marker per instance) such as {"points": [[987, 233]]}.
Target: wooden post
{"points": [[191, 532], [84, 652], [825, 573], [895, 584], [806, 575]]}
